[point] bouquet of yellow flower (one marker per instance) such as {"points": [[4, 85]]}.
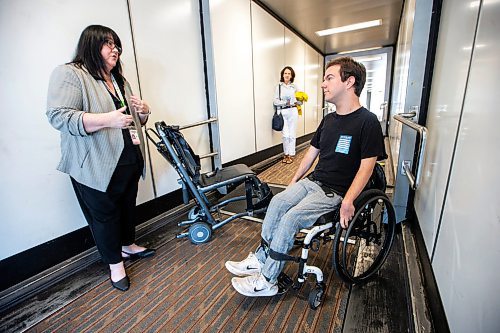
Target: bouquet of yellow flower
{"points": [[301, 97]]}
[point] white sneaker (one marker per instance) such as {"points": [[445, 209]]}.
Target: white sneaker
{"points": [[254, 286], [249, 266]]}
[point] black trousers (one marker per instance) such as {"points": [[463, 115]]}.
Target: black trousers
{"points": [[111, 215]]}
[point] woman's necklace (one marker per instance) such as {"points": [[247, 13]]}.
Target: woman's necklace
{"points": [[108, 82], [109, 85]]}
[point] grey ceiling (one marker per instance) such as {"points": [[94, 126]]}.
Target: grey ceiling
{"points": [[308, 16]]}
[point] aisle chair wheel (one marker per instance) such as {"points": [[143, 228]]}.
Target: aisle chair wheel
{"points": [[200, 232], [194, 213], [372, 232], [316, 297]]}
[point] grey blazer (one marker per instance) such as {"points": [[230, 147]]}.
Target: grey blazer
{"points": [[90, 158]]}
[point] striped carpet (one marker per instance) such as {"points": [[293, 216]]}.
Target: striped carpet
{"points": [[186, 288]]}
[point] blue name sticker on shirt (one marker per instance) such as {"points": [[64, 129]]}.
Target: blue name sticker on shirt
{"points": [[343, 144]]}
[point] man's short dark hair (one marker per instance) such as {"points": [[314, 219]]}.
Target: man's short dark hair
{"points": [[350, 67]]}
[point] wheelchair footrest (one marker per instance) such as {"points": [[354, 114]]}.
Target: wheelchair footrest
{"points": [[182, 235], [284, 283], [184, 223]]}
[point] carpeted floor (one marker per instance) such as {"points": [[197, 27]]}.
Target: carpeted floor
{"points": [[282, 173], [186, 288]]}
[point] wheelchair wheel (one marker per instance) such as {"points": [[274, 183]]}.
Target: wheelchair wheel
{"points": [[361, 249], [316, 297], [194, 213], [200, 232]]}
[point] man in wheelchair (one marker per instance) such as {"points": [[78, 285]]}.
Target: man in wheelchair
{"points": [[349, 142]]}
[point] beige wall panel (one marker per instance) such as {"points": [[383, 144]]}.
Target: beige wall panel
{"points": [[232, 42], [37, 201], [268, 60], [170, 61]]}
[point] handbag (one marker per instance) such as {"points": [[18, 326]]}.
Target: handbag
{"points": [[278, 121]]}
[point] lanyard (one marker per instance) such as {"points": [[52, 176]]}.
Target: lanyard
{"points": [[118, 91]]}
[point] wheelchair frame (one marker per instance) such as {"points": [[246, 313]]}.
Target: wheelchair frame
{"points": [[173, 147], [363, 229]]}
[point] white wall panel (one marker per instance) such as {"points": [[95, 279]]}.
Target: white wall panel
{"points": [[322, 111], [232, 43], [170, 60], [312, 71], [400, 78], [466, 262], [170, 64], [37, 203], [268, 61], [456, 36], [409, 69], [295, 57]]}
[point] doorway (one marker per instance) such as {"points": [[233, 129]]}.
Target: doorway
{"points": [[375, 94]]}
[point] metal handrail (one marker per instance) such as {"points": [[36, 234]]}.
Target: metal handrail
{"points": [[208, 121], [422, 132], [407, 115], [209, 155]]}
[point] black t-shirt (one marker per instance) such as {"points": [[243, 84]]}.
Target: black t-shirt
{"points": [[131, 154], [343, 141]]}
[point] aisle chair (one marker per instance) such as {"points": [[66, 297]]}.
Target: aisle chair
{"points": [[175, 149]]}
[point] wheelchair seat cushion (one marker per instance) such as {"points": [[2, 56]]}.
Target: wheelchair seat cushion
{"points": [[227, 173], [331, 216]]}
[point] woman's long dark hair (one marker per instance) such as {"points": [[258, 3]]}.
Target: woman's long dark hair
{"points": [[283, 72], [88, 52]]}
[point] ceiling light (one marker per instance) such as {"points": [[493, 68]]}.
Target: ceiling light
{"points": [[350, 27], [361, 50], [366, 59]]}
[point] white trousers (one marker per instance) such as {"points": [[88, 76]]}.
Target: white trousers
{"points": [[290, 116]]}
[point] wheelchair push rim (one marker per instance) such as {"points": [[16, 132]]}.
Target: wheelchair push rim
{"points": [[361, 249]]}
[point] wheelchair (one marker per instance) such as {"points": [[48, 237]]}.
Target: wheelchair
{"points": [[358, 251], [201, 223]]}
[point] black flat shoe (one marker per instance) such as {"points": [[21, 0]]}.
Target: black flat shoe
{"points": [[140, 255], [122, 284]]}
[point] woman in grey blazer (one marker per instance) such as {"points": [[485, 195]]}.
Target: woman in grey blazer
{"points": [[102, 146]]}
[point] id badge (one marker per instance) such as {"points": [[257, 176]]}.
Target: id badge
{"points": [[134, 136]]}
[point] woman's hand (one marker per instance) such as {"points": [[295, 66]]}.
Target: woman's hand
{"points": [[119, 119], [140, 106], [93, 122]]}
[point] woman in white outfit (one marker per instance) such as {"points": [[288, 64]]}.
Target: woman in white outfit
{"points": [[285, 101]]}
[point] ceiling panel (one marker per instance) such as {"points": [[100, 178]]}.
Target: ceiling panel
{"points": [[308, 16]]}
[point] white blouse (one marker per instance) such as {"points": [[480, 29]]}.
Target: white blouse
{"points": [[287, 93]]}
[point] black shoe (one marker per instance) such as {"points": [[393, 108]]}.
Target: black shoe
{"points": [[140, 255], [122, 284]]}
